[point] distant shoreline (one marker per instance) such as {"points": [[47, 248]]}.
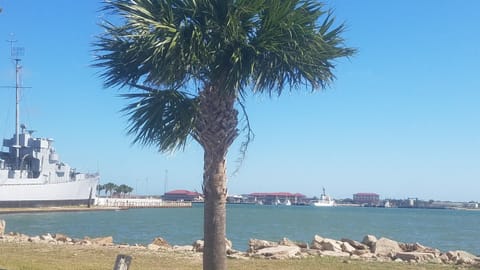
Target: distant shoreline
{"points": [[56, 209]]}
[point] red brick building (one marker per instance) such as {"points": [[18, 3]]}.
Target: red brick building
{"points": [[366, 198], [182, 195]]}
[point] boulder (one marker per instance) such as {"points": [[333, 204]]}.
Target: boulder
{"points": [[415, 256], [160, 242], [317, 239], [34, 239], [228, 245], [326, 244], [444, 258], [369, 240], [238, 256], [198, 246], [386, 247], [62, 238], [279, 252], [331, 245], [421, 248], [2, 226], [288, 242], [331, 253], [47, 238], [19, 237], [183, 248], [346, 247], [360, 252], [256, 244], [101, 241], [153, 247], [355, 244], [462, 257]]}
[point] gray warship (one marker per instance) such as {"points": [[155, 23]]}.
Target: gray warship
{"points": [[32, 175]]}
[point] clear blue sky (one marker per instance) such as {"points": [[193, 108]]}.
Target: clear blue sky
{"points": [[402, 119]]}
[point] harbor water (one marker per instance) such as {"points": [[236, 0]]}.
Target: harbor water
{"points": [[442, 229]]}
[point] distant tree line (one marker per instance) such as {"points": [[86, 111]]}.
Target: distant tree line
{"points": [[112, 189]]}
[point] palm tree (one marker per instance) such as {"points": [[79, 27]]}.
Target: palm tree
{"points": [[100, 188], [193, 62], [123, 190], [128, 190], [109, 188]]}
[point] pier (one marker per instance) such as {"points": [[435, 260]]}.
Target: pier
{"points": [[140, 203]]}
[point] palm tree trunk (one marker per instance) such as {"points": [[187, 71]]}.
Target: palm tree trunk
{"points": [[216, 129], [214, 222]]}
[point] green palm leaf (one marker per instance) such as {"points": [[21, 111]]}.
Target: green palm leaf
{"points": [[161, 118]]}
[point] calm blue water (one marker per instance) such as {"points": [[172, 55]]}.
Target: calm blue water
{"points": [[443, 229]]}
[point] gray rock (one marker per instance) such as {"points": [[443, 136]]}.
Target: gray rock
{"points": [[360, 252], [238, 256], [62, 238], [346, 247], [47, 238], [417, 247], [421, 248], [183, 248], [228, 245], [462, 257], [198, 246], [159, 241], [153, 247], [101, 241], [334, 253], [288, 242], [317, 239], [34, 239], [2, 226], [256, 244], [415, 256], [355, 244], [369, 240], [386, 247], [321, 243], [331, 245], [279, 252]]}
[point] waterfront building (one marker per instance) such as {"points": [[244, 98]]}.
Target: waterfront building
{"points": [[276, 198], [183, 195], [366, 198]]}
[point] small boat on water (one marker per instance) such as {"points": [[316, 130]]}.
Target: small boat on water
{"points": [[32, 175], [324, 201]]}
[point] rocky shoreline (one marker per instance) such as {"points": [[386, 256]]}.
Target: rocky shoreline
{"points": [[370, 249]]}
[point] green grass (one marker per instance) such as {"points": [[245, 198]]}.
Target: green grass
{"points": [[28, 256]]}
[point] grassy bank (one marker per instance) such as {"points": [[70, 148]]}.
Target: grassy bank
{"points": [[29, 256]]}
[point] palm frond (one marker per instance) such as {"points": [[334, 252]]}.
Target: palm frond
{"points": [[164, 119], [236, 45], [293, 49]]}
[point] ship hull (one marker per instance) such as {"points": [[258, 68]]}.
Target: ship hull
{"points": [[81, 192], [324, 204]]}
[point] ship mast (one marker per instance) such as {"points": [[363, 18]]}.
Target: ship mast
{"points": [[16, 52], [17, 111]]}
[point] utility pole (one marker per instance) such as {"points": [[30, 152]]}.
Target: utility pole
{"points": [[165, 183]]}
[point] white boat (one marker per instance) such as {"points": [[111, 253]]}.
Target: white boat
{"points": [[324, 201], [31, 174]]}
